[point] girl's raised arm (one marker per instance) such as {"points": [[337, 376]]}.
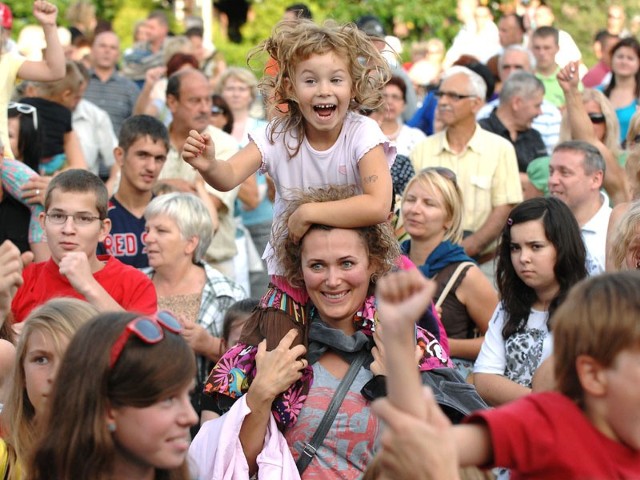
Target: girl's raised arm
{"points": [[199, 151], [370, 208]]}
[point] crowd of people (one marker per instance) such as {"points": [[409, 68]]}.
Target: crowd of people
{"points": [[335, 265]]}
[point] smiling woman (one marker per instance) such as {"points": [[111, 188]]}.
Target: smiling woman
{"points": [[292, 386], [127, 381]]}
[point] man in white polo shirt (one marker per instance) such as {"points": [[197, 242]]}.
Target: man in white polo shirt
{"points": [[576, 172]]}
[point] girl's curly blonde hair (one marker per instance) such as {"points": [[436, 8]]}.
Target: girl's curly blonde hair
{"points": [[382, 248], [294, 42]]}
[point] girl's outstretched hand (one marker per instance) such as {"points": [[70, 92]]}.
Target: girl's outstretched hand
{"points": [[199, 151], [45, 12]]}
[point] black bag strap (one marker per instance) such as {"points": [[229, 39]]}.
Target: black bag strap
{"points": [[311, 448]]}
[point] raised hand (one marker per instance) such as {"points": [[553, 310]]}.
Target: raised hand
{"points": [[401, 298], [46, 13], [568, 76], [199, 151]]}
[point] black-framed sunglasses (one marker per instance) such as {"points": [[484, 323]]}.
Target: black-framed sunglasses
{"points": [[443, 172], [456, 97], [25, 109], [148, 328], [597, 118]]}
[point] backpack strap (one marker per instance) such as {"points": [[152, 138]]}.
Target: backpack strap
{"points": [[311, 448], [452, 281]]}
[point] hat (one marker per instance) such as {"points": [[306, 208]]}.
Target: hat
{"points": [[6, 17], [371, 25]]}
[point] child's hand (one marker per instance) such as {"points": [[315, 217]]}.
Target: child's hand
{"points": [[199, 151], [401, 298], [297, 224], [45, 12]]}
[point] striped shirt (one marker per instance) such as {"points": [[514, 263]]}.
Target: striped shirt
{"points": [[117, 96]]}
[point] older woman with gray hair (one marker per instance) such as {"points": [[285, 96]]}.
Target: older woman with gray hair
{"points": [[178, 233]]}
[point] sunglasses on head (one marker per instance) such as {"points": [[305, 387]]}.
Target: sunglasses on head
{"points": [[148, 328], [597, 118], [443, 172], [25, 109]]}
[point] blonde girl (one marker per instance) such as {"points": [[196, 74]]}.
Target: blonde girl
{"points": [[44, 338]]}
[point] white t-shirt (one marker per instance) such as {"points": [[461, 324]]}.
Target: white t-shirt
{"points": [[594, 234], [338, 165], [518, 357]]}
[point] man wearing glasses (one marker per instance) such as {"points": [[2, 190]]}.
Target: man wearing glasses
{"points": [[75, 220], [485, 163]]}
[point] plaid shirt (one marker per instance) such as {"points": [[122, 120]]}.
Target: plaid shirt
{"points": [[218, 294]]}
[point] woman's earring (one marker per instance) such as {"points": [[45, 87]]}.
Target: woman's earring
{"points": [[111, 427]]}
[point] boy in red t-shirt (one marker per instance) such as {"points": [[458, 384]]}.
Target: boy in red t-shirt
{"points": [[74, 221], [589, 428]]}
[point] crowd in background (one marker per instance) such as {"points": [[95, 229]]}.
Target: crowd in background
{"points": [[219, 250]]}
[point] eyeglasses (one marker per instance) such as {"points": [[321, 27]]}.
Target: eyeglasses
{"points": [[443, 172], [25, 110], [456, 97], [597, 118], [80, 219], [148, 328], [216, 110]]}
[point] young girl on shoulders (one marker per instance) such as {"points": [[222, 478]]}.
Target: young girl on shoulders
{"points": [[320, 140], [325, 74], [120, 407], [540, 257]]}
